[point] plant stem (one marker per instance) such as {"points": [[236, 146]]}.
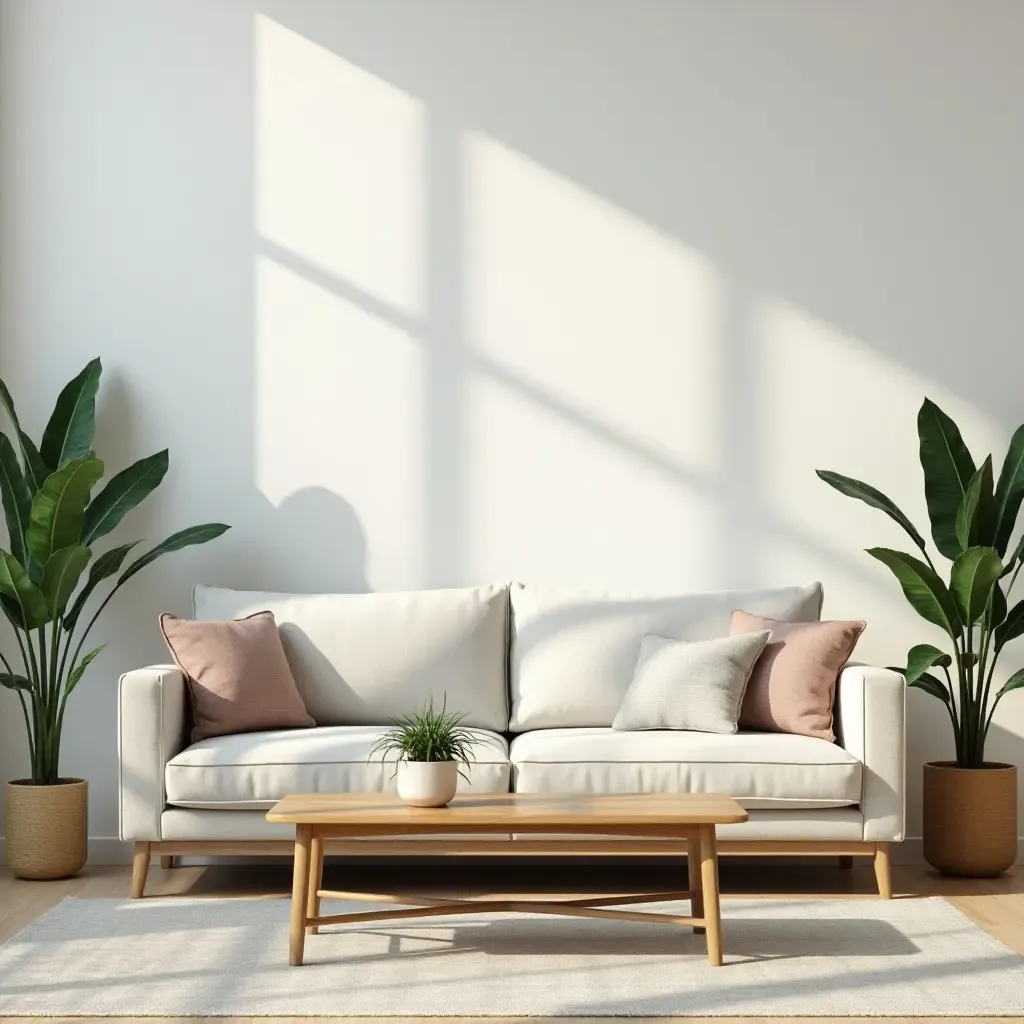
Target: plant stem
{"points": [[31, 664], [985, 682], [54, 663], [972, 720], [28, 656], [962, 753], [88, 628], [927, 558], [992, 711], [986, 693], [1013, 578], [24, 712], [951, 708], [43, 672], [58, 684], [67, 647]]}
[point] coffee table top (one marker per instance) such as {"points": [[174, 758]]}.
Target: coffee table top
{"points": [[558, 811]]}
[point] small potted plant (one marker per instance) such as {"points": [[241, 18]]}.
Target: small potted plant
{"points": [[429, 747]]}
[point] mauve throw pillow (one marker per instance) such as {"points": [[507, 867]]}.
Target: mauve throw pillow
{"points": [[238, 675], [793, 685]]}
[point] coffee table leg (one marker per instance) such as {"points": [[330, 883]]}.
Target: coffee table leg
{"points": [[709, 878], [694, 884], [300, 890], [316, 874]]}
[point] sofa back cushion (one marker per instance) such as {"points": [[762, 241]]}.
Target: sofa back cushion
{"points": [[362, 659], [573, 654]]}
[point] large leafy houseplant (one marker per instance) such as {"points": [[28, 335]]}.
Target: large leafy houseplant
{"points": [[973, 518], [54, 522]]}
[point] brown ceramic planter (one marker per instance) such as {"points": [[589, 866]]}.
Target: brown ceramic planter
{"points": [[45, 828], [970, 818]]}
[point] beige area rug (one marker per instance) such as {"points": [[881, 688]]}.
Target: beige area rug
{"points": [[210, 957]]}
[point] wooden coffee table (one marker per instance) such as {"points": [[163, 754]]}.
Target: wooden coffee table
{"points": [[689, 818]]}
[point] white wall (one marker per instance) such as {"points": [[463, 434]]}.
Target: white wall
{"points": [[428, 294]]}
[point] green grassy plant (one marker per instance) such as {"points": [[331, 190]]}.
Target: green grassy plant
{"points": [[427, 735]]}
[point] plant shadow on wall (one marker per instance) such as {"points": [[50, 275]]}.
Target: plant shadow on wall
{"points": [[554, 176], [309, 519], [53, 523], [973, 522]]}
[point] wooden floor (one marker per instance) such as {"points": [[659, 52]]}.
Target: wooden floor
{"points": [[997, 905]]}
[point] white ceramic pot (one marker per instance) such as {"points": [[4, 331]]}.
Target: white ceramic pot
{"points": [[427, 783]]}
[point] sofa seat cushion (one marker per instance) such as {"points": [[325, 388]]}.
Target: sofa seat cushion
{"points": [[760, 770], [254, 770]]}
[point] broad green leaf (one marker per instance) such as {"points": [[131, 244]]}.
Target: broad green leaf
{"points": [[61, 575], [948, 468], [995, 614], [36, 471], [58, 510], [922, 587], [1015, 556], [121, 494], [1015, 682], [68, 436], [12, 610], [975, 518], [931, 685], [1011, 627], [1009, 491], [15, 682], [998, 610], [25, 596], [106, 565], [34, 468], [921, 658], [79, 670], [873, 497], [974, 574], [182, 539], [17, 499]]}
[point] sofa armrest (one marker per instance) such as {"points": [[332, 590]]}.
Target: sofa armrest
{"points": [[871, 725], [150, 731]]}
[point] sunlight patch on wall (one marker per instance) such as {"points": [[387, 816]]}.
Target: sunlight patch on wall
{"points": [[550, 502], [339, 405], [830, 401], [339, 166], [591, 304]]}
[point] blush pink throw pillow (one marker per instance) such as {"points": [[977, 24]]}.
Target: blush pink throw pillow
{"points": [[238, 675], [793, 685]]}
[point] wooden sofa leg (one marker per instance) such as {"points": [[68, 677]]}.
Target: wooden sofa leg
{"points": [[883, 870], [167, 862], [140, 868], [845, 862]]}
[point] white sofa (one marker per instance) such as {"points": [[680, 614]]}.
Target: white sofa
{"points": [[539, 675]]}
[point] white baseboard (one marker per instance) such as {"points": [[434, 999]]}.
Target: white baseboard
{"points": [[908, 852], [104, 850]]}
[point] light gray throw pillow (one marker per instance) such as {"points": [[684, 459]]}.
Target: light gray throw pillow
{"points": [[691, 686]]}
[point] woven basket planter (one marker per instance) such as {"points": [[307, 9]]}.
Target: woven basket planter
{"points": [[970, 818], [46, 827]]}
